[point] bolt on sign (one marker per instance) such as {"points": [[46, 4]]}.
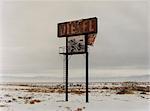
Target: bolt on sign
{"points": [[79, 27]]}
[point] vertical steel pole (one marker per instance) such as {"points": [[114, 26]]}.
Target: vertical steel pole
{"points": [[66, 68], [87, 81]]}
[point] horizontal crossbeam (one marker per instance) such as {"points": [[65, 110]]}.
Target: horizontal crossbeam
{"points": [[73, 53]]}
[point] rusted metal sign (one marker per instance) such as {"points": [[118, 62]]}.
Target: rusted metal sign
{"points": [[79, 27], [91, 39]]}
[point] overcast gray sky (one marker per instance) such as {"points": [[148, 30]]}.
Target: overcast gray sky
{"points": [[30, 44]]}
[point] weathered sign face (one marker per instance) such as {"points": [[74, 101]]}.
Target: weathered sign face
{"points": [[79, 27], [76, 44], [91, 39]]}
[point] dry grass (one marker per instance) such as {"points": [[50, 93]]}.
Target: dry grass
{"points": [[77, 91], [2, 105], [56, 90], [140, 88]]}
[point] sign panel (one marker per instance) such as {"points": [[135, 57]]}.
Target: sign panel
{"points": [[79, 27], [91, 39], [76, 44]]}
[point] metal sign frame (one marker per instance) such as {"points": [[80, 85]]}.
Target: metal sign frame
{"points": [[86, 48]]}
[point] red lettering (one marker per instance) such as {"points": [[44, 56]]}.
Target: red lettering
{"points": [[92, 26], [79, 27], [68, 28], [62, 29], [85, 26], [73, 27]]}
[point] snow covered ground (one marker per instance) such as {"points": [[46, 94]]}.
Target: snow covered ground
{"points": [[26, 98]]}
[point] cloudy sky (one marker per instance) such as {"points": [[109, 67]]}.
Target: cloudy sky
{"points": [[29, 42]]}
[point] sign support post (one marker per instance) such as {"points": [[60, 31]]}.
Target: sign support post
{"points": [[66, 68], [87, 82]]}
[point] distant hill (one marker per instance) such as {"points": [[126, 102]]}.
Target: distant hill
{"points": [[29, 79], [141, 78]]}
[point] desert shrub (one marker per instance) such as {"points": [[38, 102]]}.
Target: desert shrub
{"points": [[148, 89], [7, 95], [9, 101], [20, 97], [94, 88], [140, 88], [143, 92], [125, 91], [114, 88], [79, 109], [52, 90], [1, 105], [104, 87], [34, 101], [14, 99], [60, 91]]}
